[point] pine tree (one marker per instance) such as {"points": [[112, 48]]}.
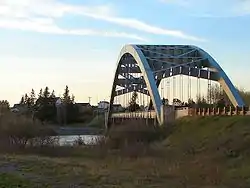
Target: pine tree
{"points": [[22, 100], [52, 95], [133, 106], [26, 99], [40, 93], [4, 105], [46, 92], [66, 97], [32, 98]]}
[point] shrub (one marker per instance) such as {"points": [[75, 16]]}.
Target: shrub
{"points": [[78, 141], [134, 133], [97, 122], [20, 131]]}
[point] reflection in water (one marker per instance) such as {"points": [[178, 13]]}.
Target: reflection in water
{"points": [[70, 139]]}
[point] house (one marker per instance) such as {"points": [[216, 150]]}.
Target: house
{"points": [[83, 106], [117, 108], [103, 105], [19, 108]]}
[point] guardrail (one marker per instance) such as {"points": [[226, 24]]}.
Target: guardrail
{"points": [[144, 115], [190, 112], [218, 111]]}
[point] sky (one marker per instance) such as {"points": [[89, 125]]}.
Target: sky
{"points": [[56, 43]]}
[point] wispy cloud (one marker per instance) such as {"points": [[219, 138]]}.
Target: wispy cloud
{"points": [[43, 25], [40, 16], [142, 26]]}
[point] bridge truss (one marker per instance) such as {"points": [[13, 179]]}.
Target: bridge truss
{"points": [[141, 68]]}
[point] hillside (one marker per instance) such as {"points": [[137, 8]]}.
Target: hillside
{"points": [[214, 150], [206, 152]]}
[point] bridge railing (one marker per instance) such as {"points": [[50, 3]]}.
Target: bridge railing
{"points": [[219, 111], [129, 115], [171, 114]]}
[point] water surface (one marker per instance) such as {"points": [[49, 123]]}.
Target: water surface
{"points": [[70, 139]]}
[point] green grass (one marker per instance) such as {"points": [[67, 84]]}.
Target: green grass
{"points": [[204, 152], [13, 180]]}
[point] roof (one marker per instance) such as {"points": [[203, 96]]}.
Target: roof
{"points": [[19, 105], [83, 104], [117, 105], [104, 102]]}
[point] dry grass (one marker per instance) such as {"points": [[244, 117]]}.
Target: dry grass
{"points": [[20, 131], [204, 152]]}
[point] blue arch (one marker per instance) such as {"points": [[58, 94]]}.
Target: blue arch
{"points": [[148, 75], [226, 83]]}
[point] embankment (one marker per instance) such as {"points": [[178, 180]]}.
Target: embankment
{"points": [[199, 152]]}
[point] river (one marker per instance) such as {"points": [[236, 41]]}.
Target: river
{"points": [[70, 139]]}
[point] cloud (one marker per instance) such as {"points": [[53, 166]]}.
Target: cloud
{"points": [[43, 25], [41, 16], [142, 26]]}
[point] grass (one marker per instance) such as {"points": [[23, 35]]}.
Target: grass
{"points": [[203, 152], [13, 180]]}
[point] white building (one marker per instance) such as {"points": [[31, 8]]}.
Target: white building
{"points": [[103, 105]]}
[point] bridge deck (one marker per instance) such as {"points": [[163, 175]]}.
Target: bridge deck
{"points": [[178, 113], [149, 115]]}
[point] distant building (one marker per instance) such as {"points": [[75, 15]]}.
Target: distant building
{"points": [[117, 108], [58, 102], [103, 105], [19, 108]]}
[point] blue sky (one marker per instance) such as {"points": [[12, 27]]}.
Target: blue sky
{"points": [[76, 42]]}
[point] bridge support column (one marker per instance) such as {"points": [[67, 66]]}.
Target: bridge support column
{"points": [[162, 117]]}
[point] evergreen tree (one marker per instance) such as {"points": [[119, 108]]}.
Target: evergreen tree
{"points": [[46, 92], [133, 106], [165, 101], [22, 101], [32, 98], [4, 106], [52, 95], [44, 107], [40, 93], [26, 99], [190, 103], [66, 96]]}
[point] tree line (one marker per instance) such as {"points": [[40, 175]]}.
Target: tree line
{"points": [[215, 97], [42, 106]]}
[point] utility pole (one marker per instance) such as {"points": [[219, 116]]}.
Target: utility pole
{"points": [[89, 99]]}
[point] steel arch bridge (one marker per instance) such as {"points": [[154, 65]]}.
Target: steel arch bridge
{"points": [[156, 62]]}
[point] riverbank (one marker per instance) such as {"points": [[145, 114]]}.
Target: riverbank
{"points": [[64, 131], [204, 152]]}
